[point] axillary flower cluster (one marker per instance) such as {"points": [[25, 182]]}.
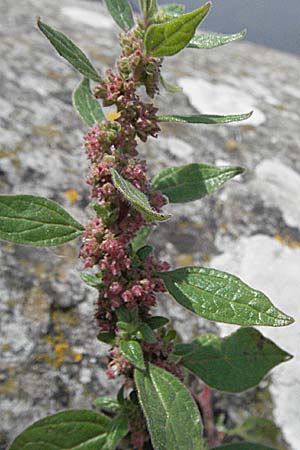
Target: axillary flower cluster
{"points": [[129, 280]]}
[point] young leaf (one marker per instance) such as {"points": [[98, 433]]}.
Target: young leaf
{"points": [[170, 87], [147, 333], [208, 119], [140, 239], [168, 38], [157, 322], [207, 40], [148, 8], [233, 364], [193, 181], [133, 352], [86, 105], [222, 297], [136, 198], [144, 251], [258, 430], [37, 221], [68, 50], [66, 430], [107, 337], [91, 280], [121, 12], [107, 403], [172, 416], [117, 430], [243, 446]]}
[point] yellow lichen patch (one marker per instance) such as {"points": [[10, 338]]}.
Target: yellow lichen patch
{"points": [[183, 225], [50, 131], [231, 145], [72, 195], [112, 115], [287, 241], [8, 387], [184, 259], [77, 356], [7, 152], [6, 347]]}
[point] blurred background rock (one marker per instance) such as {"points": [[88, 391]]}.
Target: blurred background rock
{"points": [[50, 358]]}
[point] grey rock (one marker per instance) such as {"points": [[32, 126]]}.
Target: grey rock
{"points": [[50, 357]]}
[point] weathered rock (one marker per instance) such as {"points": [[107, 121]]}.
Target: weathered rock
{"points": [[50, 358]]}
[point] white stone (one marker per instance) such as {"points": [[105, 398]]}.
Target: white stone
{"points": [[279, 186], [177, 147], [217, 98], [267, 265], [88, 17]]}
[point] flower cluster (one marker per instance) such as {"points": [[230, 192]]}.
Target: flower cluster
{"points": [[129, 280]]}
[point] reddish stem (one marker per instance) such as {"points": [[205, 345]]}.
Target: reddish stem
{"points": [[205, 401]]}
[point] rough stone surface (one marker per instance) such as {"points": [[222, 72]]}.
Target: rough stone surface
{"points": [[50, 358]]}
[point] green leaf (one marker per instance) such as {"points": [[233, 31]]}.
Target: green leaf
{"points": [[86, 105], [145, 251], [258, 430], [133, 352], [147, 333], [243, 446], [118, 429], [193, 181], [140, 239], [172, 416], [136, 198], [222, 297], [68, 50], [107, 337], [91, 280], [207, 40], [172, 9], [121, 12], [233, 364], [168, 38], [148, 8], [208, 119], [156, 322], [67, 430], [170, 87], [37, 221], [107, 403]]}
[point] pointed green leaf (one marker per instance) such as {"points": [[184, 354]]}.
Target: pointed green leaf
{"points": [[141, 238], [121, 12], [67, 430], [157, 322], [168, 38], [86, 105], [258, 430], [172, 416], [37, 221], [222, 297], [107, 337], [233, 364], [207, 40], [107, 403], [133, 352], [170, 87], [117, 430], [208, 119], [193, 181], [68, 50], [144, 251], [148, 8], [147, 333], [136, 198], [91, 280], [243, 446]]}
